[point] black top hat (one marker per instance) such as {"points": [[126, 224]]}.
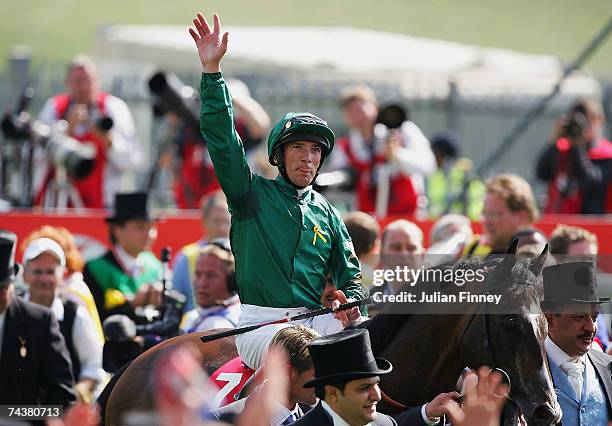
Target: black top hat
{"points": [[572, 282], [8, 267], [130, 206], [344, 356]]}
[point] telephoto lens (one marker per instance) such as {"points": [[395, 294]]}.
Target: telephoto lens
{"points": [[60, 149], [173, 95]]}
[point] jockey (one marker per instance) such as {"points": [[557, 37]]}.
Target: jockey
{"points": [[285, 236]]}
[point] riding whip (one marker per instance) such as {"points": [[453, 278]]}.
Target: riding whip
{"points": [[299, 317]]}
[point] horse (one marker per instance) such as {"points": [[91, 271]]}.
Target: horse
{"points": [[428, 351], [132, 387]]}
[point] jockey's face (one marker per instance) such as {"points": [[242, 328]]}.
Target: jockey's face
{"points": [[210, 284], [357, 403], [43, 274], [574, 328], [302, 159], [501, 223]]}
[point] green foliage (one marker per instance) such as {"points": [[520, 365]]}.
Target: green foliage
{"points": [[57, 29]]}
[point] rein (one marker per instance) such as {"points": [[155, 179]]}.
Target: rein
{"points": [[390, 400], [487, 346]]}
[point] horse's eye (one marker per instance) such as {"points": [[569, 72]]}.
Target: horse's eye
{"points": [[511, 322]]}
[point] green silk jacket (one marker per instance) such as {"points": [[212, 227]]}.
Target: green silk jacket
{"points": [[284, 244]]}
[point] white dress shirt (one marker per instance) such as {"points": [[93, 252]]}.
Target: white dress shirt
{"points": [[279, 415], [283, 414]]}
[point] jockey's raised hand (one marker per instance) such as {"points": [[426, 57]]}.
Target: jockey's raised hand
{"points": [[211, 44]]}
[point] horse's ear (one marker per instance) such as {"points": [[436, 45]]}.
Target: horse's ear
{"points": [[512, 247], [504, 269], [537, 264]]}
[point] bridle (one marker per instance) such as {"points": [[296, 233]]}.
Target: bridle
{"points": [[487, 345]]}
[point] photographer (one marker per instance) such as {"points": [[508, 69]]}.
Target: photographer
{"points": [[371, 150], [578, 163], [94, 118], [194, 175]]}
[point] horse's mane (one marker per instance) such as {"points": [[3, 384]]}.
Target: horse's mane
{"points": [[384, 327]]}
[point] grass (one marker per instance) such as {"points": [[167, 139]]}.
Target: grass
{"points": [[57, 29]]}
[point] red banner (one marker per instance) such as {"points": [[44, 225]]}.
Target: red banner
{"points": [[184, 227]]}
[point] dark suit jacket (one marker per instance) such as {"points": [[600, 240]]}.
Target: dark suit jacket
{"points": [[319, 417], [44, 375]]}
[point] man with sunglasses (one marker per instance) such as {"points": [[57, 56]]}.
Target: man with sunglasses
{"points": [[285, 236]]}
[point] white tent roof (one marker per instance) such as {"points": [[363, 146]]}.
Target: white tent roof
{"points": [[349, 53]]}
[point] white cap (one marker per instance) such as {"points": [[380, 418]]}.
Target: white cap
{"points": [[44, 245]]}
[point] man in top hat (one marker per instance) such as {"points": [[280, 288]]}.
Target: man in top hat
{"points": [[35, 363], [581, 375], [348, 386], [125, 276], [286, 237]]}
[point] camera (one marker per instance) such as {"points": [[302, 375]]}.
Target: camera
{"points": [[576, 125], [392, 116], [78, 159], [172, 95]]}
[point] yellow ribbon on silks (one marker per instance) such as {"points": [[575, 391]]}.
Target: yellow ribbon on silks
{"points": [[318, 233], [113, 298]]}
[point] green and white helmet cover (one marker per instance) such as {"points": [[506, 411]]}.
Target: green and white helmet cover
{"points": [[304, 126]]}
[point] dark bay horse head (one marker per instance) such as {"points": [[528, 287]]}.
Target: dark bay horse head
{"points": [[429, 351], [510, 337]]}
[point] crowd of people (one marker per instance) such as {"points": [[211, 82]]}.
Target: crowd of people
{"points": [[272, 248]]}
